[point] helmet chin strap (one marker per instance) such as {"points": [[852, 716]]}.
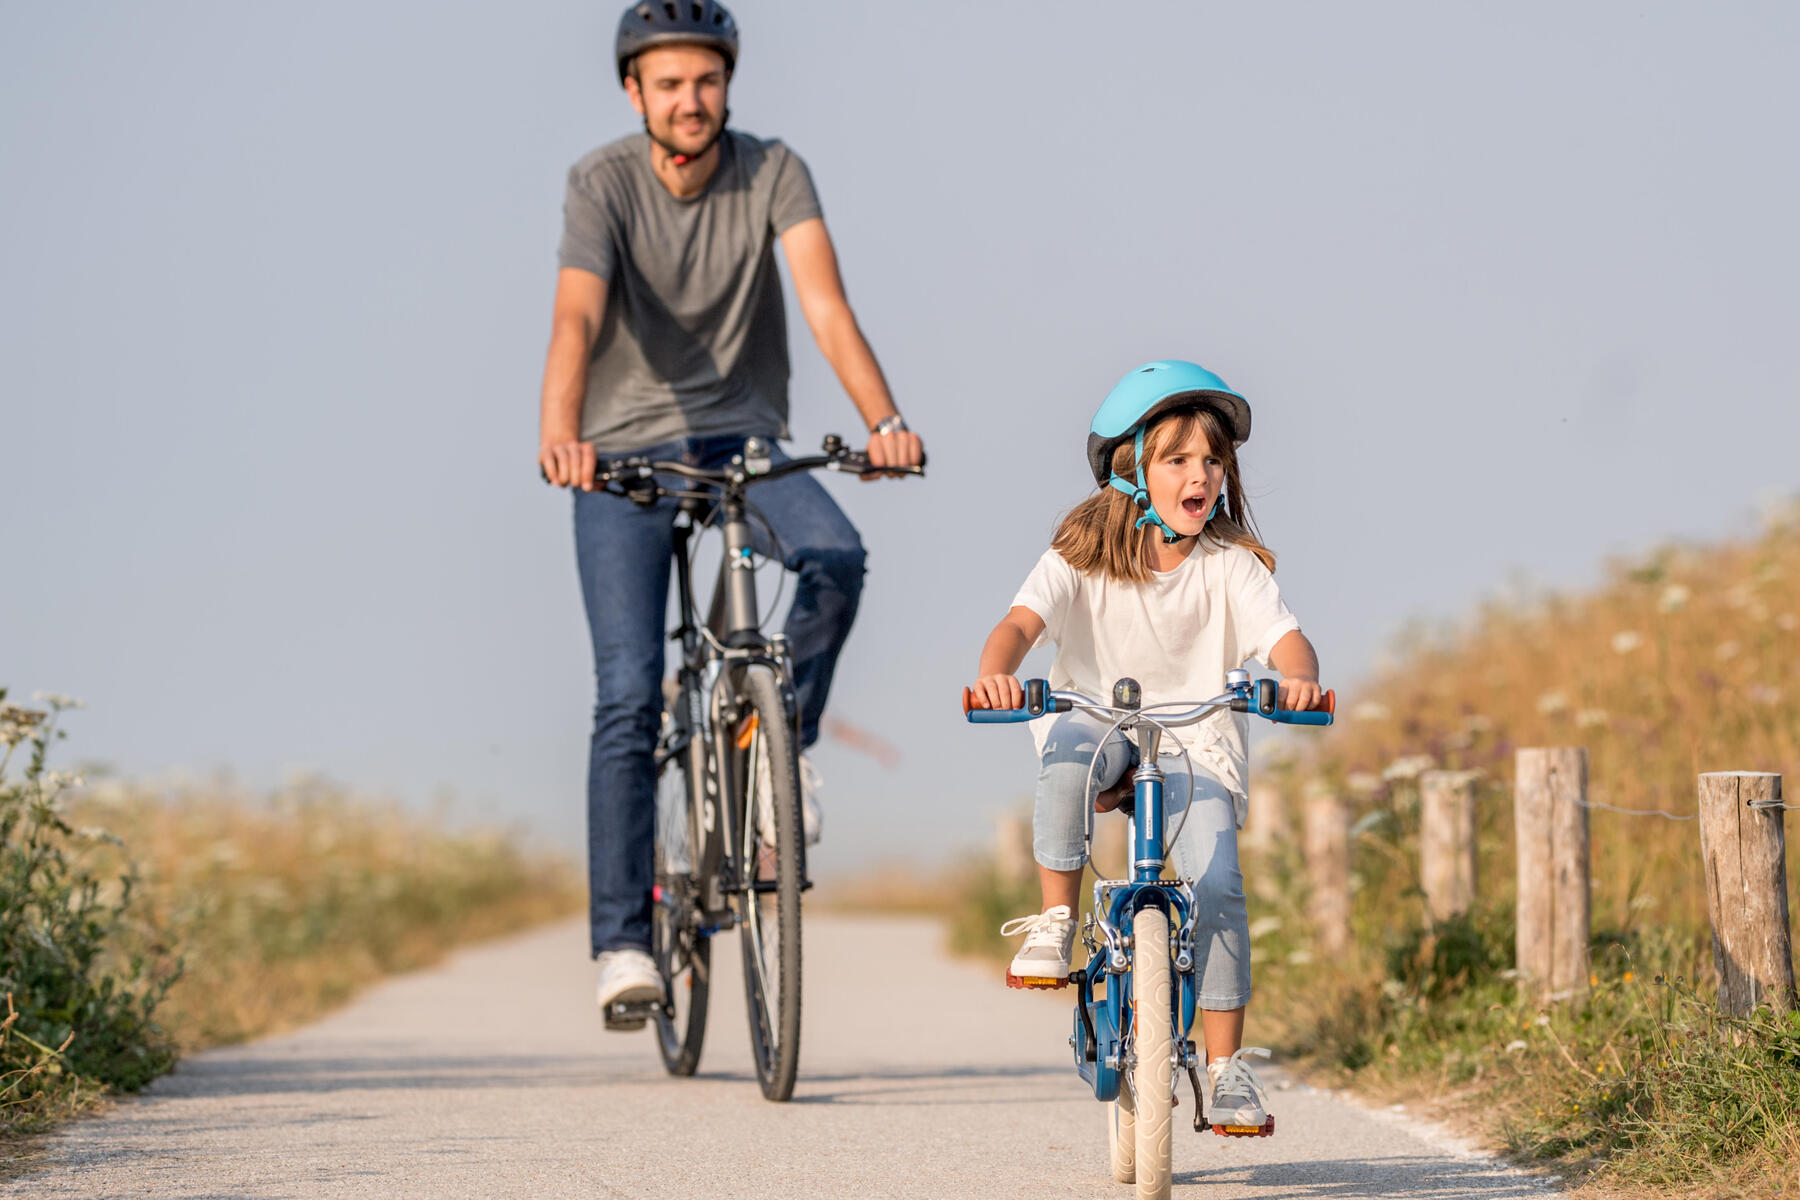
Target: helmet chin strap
{"points": [[682, 158], [1140, 496]]}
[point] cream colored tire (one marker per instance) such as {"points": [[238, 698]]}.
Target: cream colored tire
{"points": [[1154, 1073], [1121, 1135]]}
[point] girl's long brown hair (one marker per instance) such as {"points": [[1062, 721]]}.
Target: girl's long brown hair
{"points": [[1099, 534]]}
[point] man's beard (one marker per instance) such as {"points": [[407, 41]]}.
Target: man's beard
{"points": [[674, 151]]}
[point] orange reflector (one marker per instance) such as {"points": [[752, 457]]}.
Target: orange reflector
{"points": [[746, 731]]}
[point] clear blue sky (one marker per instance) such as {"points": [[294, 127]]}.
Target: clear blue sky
{"points": [[1511, 288]]}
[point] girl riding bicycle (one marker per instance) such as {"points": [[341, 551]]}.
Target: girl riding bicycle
{"points": [[1159, 576]]}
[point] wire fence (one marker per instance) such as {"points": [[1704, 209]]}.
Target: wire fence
{"points": [[1669, 816]]}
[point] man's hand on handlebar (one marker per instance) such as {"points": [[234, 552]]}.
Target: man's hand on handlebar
{"points": [[568, 464], [900, 448]]}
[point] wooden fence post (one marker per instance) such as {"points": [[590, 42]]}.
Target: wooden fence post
{"points": [[1550, 812], [1012, 847], [1327, 849], [1745, 850], [1267, 827], [1447, 842]]}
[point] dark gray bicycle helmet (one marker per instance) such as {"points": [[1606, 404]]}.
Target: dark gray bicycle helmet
{"points": [[658, 22]]}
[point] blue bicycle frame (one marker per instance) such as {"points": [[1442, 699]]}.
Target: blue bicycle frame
{"points": [[1101, 1038]]}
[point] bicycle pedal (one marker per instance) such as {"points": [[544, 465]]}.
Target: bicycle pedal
{"points": [[627, 1015], [1266, 1129], [1036, 983]]}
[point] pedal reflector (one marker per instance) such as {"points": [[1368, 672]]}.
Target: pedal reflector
{"points": [[1035, 981], [1266, 1129]]}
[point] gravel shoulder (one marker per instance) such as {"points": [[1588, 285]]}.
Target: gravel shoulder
{"points": [[490, 1075]]}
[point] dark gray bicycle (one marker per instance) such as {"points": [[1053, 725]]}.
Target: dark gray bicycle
{"points": [[730, 852]]}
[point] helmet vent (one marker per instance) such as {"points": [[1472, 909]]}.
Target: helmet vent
{"points": [[718, 17], [694, 10], [669, 8]]}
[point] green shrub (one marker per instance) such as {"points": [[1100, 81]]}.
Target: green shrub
{"points": [[81, 976]]}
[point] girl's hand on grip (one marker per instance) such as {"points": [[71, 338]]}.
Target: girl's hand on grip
{"points": [[998, 691], [1300, 694]]}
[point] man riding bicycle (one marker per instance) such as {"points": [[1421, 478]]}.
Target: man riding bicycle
{"points": [[669, 341]]}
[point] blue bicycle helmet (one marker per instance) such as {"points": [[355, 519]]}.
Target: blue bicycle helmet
{"points": [[1139, 398]]}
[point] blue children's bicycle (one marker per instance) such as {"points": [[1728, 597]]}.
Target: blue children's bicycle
{"points": [[1140, 935]]}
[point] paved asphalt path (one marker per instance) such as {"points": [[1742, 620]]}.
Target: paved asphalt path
{"points": [[491, 1076]]}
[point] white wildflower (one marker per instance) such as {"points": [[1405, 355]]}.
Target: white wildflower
{"points": [[1408, 767], [1263, 926], [1551, 703], [1727, 650], [1762, 693], [1370, 710], [1299, 958], [1674, 598], [1362, 782], [57, 700], [1589, 718], [1626, 640], [1514, 1046]]}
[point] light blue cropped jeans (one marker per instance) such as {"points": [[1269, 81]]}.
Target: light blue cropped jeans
{"points": [[1206, 851]]}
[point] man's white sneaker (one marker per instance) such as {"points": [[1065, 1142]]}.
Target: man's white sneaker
{"points": [[1239, 1105], [812, 817], [629, 987], [1043, 961]]}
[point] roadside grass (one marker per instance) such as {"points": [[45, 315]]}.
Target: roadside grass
{"points": [[138, 922], [285, 905]]}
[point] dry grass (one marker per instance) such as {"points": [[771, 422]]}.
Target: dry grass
{"points": [[283, 906]]}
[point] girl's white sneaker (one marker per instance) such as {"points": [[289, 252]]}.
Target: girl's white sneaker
{"points": [[1043, 961], [1239, 1105]]}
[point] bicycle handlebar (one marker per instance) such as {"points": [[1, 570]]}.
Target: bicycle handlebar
{"points": [[616, 474], [1041, 700]]}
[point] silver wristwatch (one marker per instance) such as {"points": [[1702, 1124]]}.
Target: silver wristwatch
{"points": [[893, 424]]}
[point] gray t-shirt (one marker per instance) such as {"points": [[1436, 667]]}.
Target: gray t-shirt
{"points": [[694, 339]]}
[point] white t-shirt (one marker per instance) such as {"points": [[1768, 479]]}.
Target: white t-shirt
{"points": [[1176, 635]]}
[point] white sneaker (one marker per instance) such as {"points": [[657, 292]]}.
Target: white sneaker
{"points": [[1043, 961], [812, 817], [628, 981], [1239, 1103]]}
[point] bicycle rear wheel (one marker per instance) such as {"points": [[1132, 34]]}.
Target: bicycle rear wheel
{"points": [[769, 905], [683, 954]]}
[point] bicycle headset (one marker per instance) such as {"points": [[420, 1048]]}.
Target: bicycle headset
{"points": [[1146, 393], [665, 22]]}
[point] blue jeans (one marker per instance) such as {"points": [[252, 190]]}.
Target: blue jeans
{"points": [[624, 553], [1206, 852]]}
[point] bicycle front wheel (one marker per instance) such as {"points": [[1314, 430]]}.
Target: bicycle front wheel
{"points": [[1154, 1071], [683, 954], [769, 912]]}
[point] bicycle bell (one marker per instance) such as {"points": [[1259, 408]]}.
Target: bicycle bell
{"points": [[756, 456]]}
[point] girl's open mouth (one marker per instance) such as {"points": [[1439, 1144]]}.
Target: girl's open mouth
{"points": [[1194, 506]]}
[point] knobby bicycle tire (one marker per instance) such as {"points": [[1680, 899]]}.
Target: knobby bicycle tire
{"points": [[1154, 1039], [769, 904], [682, 953]]}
